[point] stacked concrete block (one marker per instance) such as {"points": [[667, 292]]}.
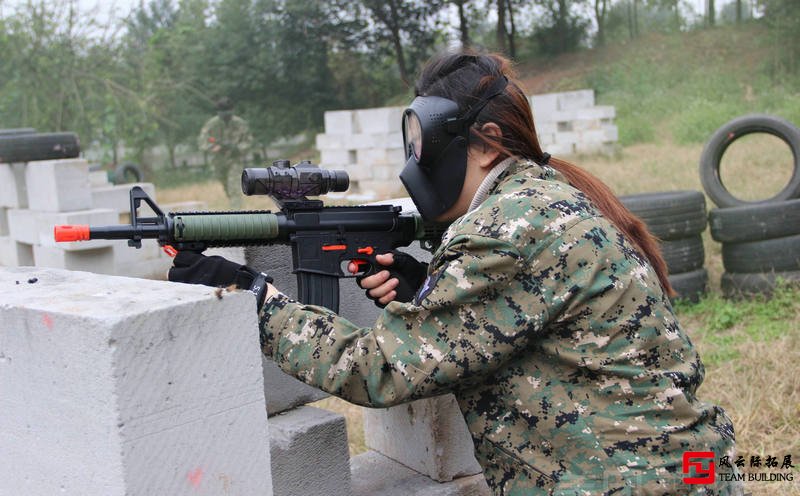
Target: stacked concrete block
{"points": [[118, 386], [118, 198], [58, 185], [366, 143], [309, 452], [570, 122]]}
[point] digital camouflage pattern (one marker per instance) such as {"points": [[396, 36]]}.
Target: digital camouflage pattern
{"points": [[234, 141], [553, 333]]}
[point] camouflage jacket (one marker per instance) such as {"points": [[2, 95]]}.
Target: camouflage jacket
{"points": [[233, 137], [553, 333]]}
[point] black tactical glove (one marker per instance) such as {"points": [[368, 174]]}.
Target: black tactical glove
{"points": [[194, 268], [409, 272]]}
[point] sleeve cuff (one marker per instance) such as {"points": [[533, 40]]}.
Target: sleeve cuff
{"points": [[272, 320]]}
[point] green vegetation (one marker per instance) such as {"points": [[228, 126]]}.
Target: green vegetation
{"points": [[724, 325]]}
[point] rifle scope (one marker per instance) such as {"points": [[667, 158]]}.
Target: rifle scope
{"points": [[292, 183]]}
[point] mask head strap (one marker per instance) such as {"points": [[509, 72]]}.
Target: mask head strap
{"points": [[458, 124]]}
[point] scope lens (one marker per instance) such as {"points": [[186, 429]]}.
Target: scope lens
{"points": [[412, 134]]}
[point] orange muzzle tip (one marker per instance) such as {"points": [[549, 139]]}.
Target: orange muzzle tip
{"points": [[71, 233]]}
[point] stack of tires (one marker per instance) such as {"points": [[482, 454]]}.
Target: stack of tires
{"points": [[760, 240], [678, 219]]}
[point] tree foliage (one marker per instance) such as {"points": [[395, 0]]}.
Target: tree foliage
{"points": [[152, 77]]}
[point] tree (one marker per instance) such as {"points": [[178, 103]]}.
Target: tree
{"points": [[562, 27], [600, 11], [463, 22], [406, 26]]}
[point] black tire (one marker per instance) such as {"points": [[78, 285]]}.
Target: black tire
{"points": [[723, 137], [683, 255], [735, 285], [128, 173], [17, 131], [669, 215], [755, 222], [689, 285], [30, 147], [769, 255]]}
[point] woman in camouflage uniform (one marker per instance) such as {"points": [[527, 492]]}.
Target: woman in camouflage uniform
{"points": [[545, 311]]}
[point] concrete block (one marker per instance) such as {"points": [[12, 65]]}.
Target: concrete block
{"points": [[308, 448], [546, 127], [375, 474], [584, 125], [45, 221], [147, 262], [4, 221], [125, 387], [580, 99], [118, 198], [381, 120], [547, 139], [601, 112], [339, 122], [358, 172], [386, 172], [35, 227], [429, 436], [98, 178], [232, 253], [13, 190], [15, 254], [334, 157], [567, 138], [544, 106], [561, 149], [99, 260], [58, 185], [22, 226]]}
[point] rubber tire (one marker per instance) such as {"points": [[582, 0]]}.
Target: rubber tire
{"points": [[17, 131], [689, 285], [724, 136], [669, 215], [755, 222], [683, 255], [769, 255], [121, 172], [44, 146], [735, 285]]}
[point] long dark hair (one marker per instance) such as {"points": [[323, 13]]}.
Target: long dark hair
{"points": [[463, 77]]}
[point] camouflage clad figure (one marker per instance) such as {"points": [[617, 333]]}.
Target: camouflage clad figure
{"points": [[554, 334], [226, 138]]}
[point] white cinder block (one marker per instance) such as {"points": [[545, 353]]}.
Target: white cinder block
{"points": [[126, 387], [381, 120], [13, 192], [544, 106], [58, 185], [358, 172], [339, 122], [308, 448], [580, 99], [118, 198], [15, 254], [4, 221], [22, 226], [334, 157], [429, 436], [329, 141], [98, 178], [559, 149], [99, 260]]}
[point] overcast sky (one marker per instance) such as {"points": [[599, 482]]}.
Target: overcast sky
{"points": [[105, 10]]}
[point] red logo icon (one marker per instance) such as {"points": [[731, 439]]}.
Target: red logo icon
{"points": [[694, 460]]}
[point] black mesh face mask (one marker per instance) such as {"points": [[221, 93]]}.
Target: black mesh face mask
{"points": [[435, 140]]}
